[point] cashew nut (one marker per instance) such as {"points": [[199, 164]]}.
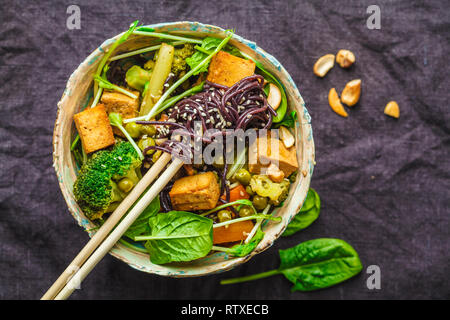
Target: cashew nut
{"points": [[323, 65], [274, 173], [392, 109], [351, 93], [345, 58], [274, 98], [287, 137], [335, 103]]}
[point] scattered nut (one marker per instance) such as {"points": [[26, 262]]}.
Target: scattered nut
{"points": [[392, 109], [335, 103], [345, 58], [274, 98], [305, 173], [287, 137], [274, 173], [323, 65], [351, 93]]}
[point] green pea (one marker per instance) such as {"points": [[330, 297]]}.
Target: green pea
{"points": [[156, 155], [224, 215], [259, 202], [293, 177], [125, 184], [245, 211], [243, 176], [148, 129], [145, 143], [249, 190], [133, 129]]}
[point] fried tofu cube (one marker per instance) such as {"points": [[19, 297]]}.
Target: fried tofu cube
{"points": [[227, 69], [94, 128], [267, 151], [120, 103], [197, 192]]}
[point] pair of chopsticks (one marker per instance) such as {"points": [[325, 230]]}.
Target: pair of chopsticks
{"points": [[105, 238]]}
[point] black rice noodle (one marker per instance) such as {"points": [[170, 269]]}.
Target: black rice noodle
{"points": [[217, 108]]}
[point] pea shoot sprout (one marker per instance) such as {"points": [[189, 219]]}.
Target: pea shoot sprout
{"points": [[116, 120]]}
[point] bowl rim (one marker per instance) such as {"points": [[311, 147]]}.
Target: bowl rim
{"points": [[295, 202]]}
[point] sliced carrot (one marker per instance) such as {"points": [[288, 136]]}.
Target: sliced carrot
{"points": [[189, 169], [238, 193], [163, 117], [233, 232]]}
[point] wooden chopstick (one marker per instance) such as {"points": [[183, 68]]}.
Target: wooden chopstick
{"points": [[109, 225], [120, 229]]}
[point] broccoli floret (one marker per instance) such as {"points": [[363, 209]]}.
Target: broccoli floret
{"points": [[179, 58], [95, 190]]}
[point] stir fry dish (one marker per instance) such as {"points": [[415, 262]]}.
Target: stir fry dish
{"points": [[185, 96]]}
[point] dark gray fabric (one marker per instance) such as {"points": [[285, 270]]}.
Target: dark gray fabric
{"points": [[384, 183]]}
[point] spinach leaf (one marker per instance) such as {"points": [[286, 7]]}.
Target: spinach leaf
{"points": [[307, 214], [312, 265], [281, 111], [140, 225], [178, 236], [319, 263], [288, 121], [209, 44], [195, 60]]}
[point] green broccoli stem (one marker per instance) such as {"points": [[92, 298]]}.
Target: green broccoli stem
{"points": [[252, 277], [144, 50], [166, 36]]}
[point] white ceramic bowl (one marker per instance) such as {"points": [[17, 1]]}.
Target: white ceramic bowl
{"points": [[77, 94]]}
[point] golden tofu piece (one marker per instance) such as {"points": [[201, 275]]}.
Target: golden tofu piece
{"points": [[197, 192], [120, 103], [227, 69], [266, 151], [94, 128]]}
